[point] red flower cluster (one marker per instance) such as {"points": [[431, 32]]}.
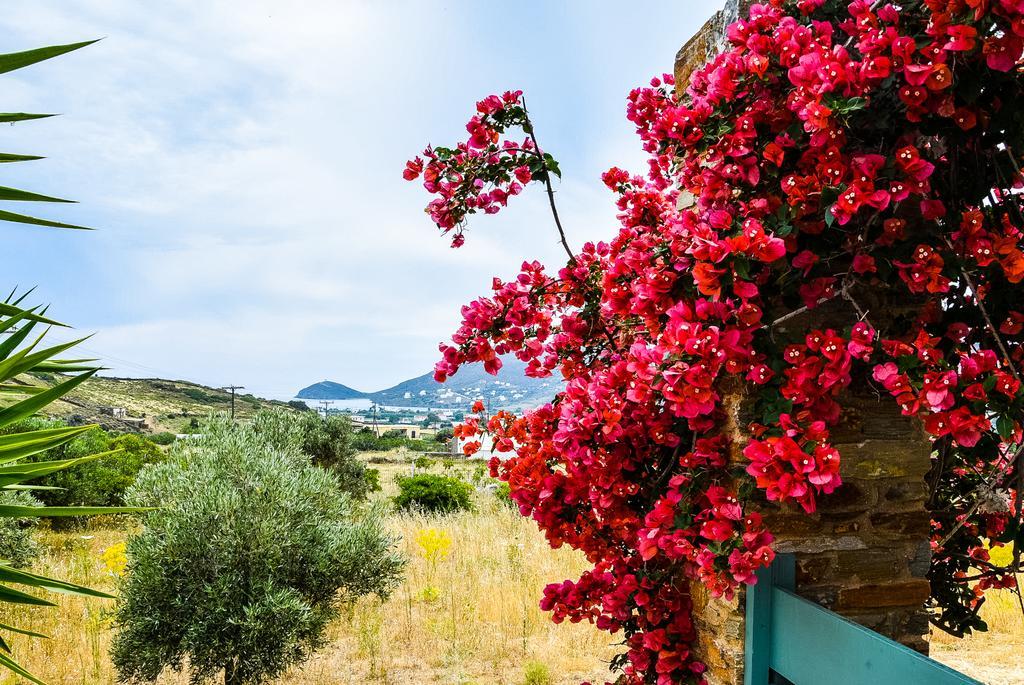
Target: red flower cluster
{"points": [[834, 149], [482, 173]]}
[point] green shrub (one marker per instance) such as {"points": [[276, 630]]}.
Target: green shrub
{"points": [[99, 483], [537, 673], [503, 493], [200, 395], [434, 494], [18, 547], [327, 442], [423, 462], [365, 440], [444, 435], [252, 554], [164, 438]]}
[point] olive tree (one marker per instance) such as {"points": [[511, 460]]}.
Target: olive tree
{"points": [[326, 441], [252, 552]]}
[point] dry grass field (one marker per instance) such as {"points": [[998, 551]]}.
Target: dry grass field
{"points": [[467, 614]]}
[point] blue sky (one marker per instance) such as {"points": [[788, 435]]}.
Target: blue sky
{"points": [[242, 161]]}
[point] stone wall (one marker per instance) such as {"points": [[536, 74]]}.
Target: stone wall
{"points": [[865, 553], [707, 42]]}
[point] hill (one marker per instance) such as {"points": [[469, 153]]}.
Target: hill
{"points": [[146, 404], [510, 389], [329, 390]]}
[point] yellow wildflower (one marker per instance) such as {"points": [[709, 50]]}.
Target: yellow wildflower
{"points": [[115, 559], [435, 544]]}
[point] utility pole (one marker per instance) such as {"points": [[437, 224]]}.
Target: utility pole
{"points": [[233, 388], [325, 407], [376, 429]]}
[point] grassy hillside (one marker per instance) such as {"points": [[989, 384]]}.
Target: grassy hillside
{"points": [[166, 405]]}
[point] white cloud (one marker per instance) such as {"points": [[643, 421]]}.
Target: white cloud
{"points": [[244, 159]]}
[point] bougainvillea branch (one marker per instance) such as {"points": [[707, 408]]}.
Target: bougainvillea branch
{"points": [[546, 177], [853, 153]]}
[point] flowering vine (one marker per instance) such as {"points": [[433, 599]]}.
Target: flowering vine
{"points": [[859, 155]]}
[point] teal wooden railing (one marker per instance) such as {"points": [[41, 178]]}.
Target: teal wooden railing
{"points": [[791, 640]]}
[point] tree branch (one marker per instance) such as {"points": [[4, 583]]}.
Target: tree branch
{"points": [[547, 185]]}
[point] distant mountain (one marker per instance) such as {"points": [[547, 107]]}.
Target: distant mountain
{"points": [[329, 390], [510, 389]]}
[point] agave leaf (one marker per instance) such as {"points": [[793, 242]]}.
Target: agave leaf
{"points": [[23, 296], [9, 439], [27, 407], [9, 594], [23, 361], [16, 668], [19, 511], [63, 367], [22, 471], [35, 221], [22, 631], [8, 346], [34, 443], [9, 574], [18, 389], [11, 310], [10, 117], [15, 195], [22, 486], [11, 157], [17, 60]]}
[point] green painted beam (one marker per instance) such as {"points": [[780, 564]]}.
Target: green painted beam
{"points": [[791, 639], [810, 644]]}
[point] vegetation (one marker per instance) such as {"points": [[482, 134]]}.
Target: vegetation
{"points": [[20, 356], [537, 673], [503, 493], [247, 560], [17, 543], [327, 442], [855, 153], [168, 405], [467, 615], [98, 482], [365, 440], [433, 494]]}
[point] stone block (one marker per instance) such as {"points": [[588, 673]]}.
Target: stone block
{"points": [[911, 593], [874, 565], [902, 524]]}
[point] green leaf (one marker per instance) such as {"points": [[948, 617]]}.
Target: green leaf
{"points": [[18, 511], [11, 310], [33, 404], [15, 195], [11, 157], [23, 361], [22, 471], [17, 60], [11, 117], [17, 389], [16, 668], [1004, 426], [22, 631], [25, 219], [9, 574], [34, 442], [9, 594]]}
